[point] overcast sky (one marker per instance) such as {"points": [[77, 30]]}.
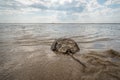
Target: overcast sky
{"points": [[55, 11]]}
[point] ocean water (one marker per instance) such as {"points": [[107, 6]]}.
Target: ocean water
{"points": [[21, 42], [88, 36]]}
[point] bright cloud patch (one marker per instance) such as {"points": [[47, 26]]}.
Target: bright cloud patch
{"points": [[42, 11]]}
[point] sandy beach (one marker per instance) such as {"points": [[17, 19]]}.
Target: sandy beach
{"points": [[49, 66], [25, 52], [59, 39]]}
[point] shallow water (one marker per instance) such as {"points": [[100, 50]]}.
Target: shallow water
{"points": [[88, 36], [22, 45]]}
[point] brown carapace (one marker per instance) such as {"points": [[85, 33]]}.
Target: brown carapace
{"points": [[65, 46]]}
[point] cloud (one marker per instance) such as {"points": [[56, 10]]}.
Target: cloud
{"points": [[62, 5], [11, 4], [61, 10]]}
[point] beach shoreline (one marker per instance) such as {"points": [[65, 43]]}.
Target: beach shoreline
{"points": [[25, 52]]}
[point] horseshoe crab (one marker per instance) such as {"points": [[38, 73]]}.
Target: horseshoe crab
{"points": [[65, 46]]}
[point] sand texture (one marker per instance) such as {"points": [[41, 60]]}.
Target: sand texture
{"points": [[99, 66]]}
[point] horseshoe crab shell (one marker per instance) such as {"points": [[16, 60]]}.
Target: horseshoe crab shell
{"points": [[65, 46]]}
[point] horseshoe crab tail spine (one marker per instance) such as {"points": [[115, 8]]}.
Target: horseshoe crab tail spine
{"points": [[71, 55]]}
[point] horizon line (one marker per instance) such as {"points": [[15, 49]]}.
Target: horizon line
{"points": [[60, 23]]}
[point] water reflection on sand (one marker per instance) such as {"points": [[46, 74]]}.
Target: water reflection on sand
{"points": [[25, 51]]}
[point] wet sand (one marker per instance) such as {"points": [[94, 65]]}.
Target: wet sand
{"points": [[25, 52], [49, 66]]}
